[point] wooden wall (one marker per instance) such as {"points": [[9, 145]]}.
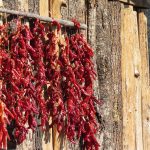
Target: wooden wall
{"points": [[103, 33], [118, 34], [135, 80], [143, 38], [108, 52]]}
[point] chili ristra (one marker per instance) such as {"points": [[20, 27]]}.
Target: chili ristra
{"points": [[46, 78]]}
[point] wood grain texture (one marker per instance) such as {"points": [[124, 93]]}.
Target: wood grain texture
{"points": [[108, 49], [143, 38], [77, 10], [103, 33], [34, 6], [55, 7], [91, 32], [138, 3], [131, 81], [12, 4], [44, 7], [128, 92]]}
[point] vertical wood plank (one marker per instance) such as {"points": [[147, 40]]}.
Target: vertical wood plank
{"points": [[143, 38], [56, 139], [108, 47], [131, 81], [23, 5], [91, 32], [11, 4], [44, 11], [114, 9], [34, 6], [77, 10], [55, 7], [44, 8], [128, 105]]}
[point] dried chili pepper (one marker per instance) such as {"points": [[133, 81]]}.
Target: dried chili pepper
{"points": [[4, 113], [78, 73], [35, 58], [54, 92], [23, 78]]}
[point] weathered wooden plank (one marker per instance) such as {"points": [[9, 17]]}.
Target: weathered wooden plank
{"points": [[131, 83], [142, 23], [47, 141], [44, 8], [13, 4], [91, 37], [115, 45], [127, 92], [55, 7], [108, 49], [34, 6], [138, 85], [77, 10], [138, 3]]}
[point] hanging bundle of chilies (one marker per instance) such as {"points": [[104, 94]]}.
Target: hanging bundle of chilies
{"points": [[46, 75]]}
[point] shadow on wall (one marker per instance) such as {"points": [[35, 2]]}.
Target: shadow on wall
{"points": [[139, 3]]}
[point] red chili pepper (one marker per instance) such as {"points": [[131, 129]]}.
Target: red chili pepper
{"points": [[77, 68], [38, 63], [76, 23], [4, 113]]}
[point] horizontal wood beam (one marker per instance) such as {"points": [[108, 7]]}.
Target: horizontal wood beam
{"points": [[138, 3]]}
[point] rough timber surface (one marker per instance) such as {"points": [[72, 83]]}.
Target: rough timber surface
{"points": [[108, 48], [134, 70], [143, 37]]}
